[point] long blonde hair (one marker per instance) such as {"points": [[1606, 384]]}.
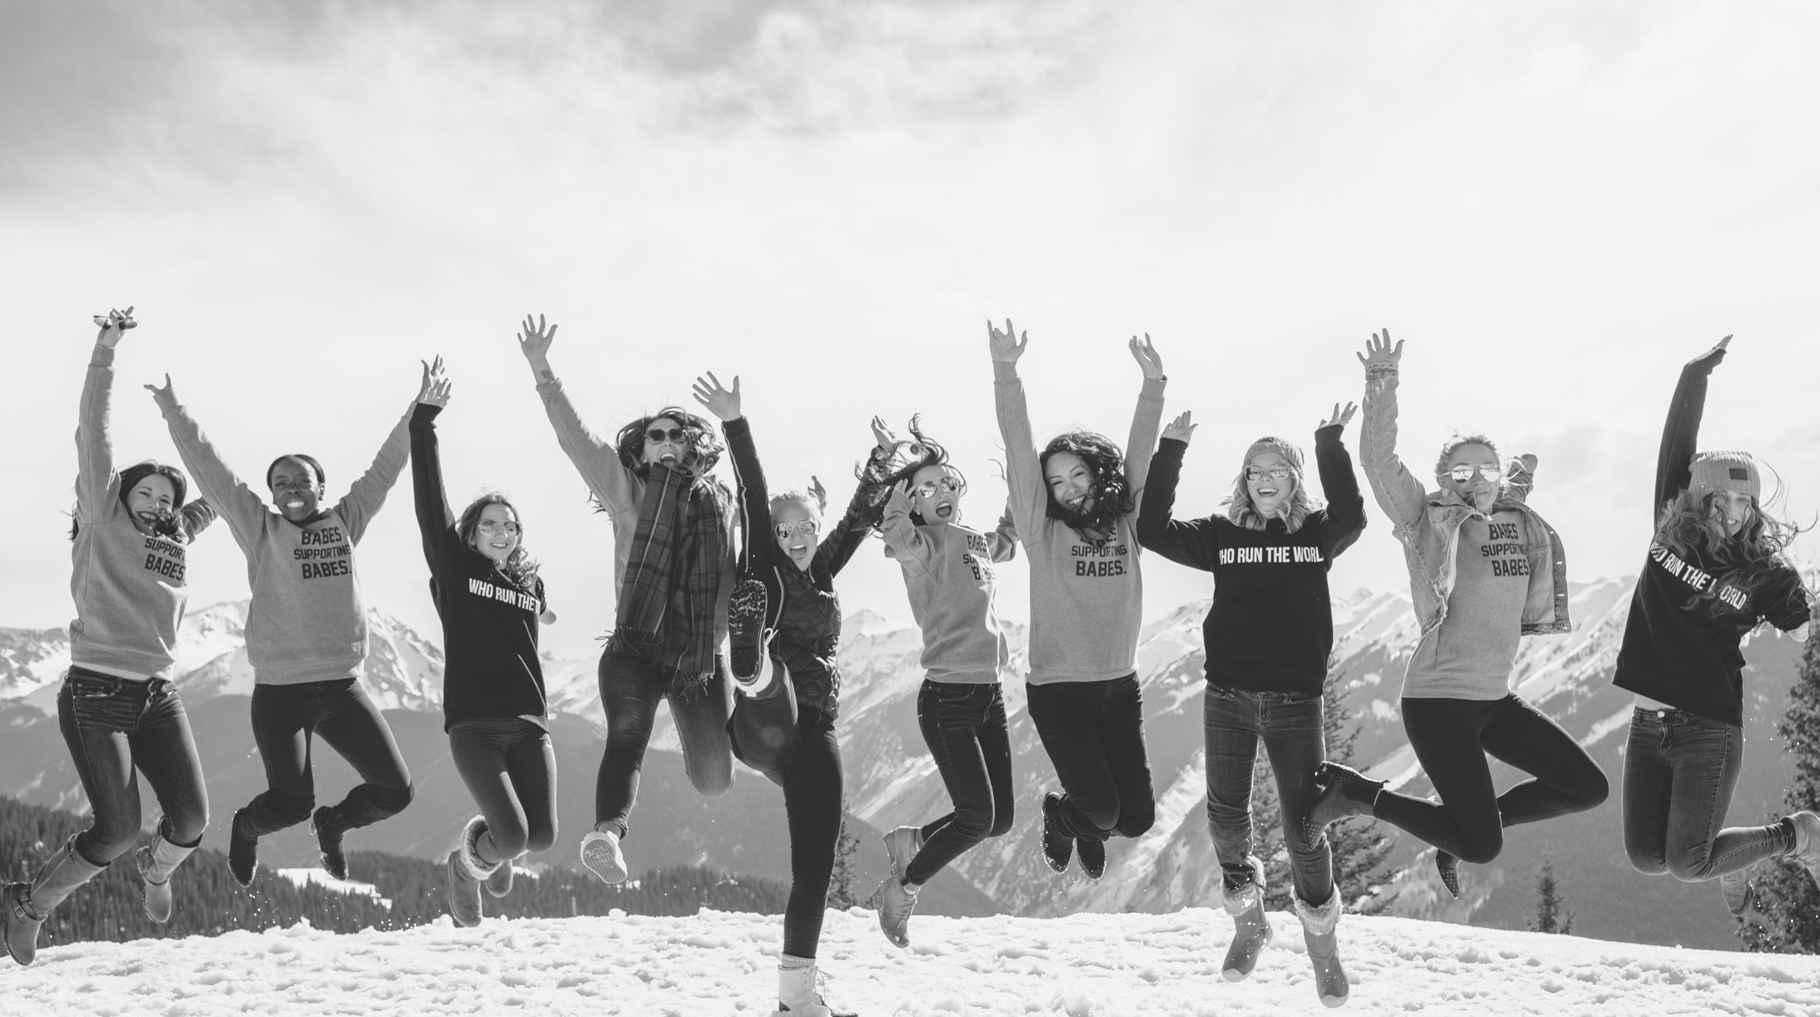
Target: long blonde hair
{"points": [[1241, 511], [1684, 526]]}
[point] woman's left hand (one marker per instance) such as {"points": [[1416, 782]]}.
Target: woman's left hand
{"points": [[881, 434], [435, 389], [1340, 417], [1182, 427], [721, 401], [1147, 357]]}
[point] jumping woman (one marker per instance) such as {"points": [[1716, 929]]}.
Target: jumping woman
{"points": [[785, 636], [1716, 570], [960, 708], [119, 714], [306, 636], [1075, 504], [1484, 571], [673, 565], [1268, 636], [490, 599]]}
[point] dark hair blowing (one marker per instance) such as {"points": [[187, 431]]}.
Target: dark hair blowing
{"points": [[884, 469], [519, 566], [1104, 460], [703, 444], [168, 524]]}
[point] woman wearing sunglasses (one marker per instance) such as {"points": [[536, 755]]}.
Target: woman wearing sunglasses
{"points": [[1268, 635], [1074, 505], [117, 709], [785, 621], [1484, 571], [949, 576], [1716, 570], [673, 564], [490, 599]]}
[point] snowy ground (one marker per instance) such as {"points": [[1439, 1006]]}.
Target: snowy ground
{"points": [[719, 964]]}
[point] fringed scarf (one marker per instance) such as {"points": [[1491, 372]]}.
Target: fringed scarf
{"points": [[672, 583]]}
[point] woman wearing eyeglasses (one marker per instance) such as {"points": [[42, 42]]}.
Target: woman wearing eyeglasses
{"points": [[785, 621], [1716, 570], [1484, 571], [948, 573], [490, 599], [673, 565], [1074, 505], [1268, 635]]}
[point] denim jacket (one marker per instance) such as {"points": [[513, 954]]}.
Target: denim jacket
{"points": [[1427, 523]]}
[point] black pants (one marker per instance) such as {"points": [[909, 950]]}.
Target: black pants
{"points": [[964, 727], [1094, 734], [117, 729], [343, 715], [630, 690], [806, 763], [1452, 737], [509, 767]]}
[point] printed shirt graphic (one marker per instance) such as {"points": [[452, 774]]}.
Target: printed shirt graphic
{"points": [[1471, 653], [949, 576]]}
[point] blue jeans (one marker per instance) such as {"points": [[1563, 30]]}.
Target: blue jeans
{"points": [[630, 690], [1679, 772], [964, 727], [1290, 727], [287, 719], [509, 767], [1094, 734], [116, 729]]}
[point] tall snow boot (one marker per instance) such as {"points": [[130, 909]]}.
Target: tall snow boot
{"points": [[27, 905], [1251, 928], [1318, 922], [156, 861]]}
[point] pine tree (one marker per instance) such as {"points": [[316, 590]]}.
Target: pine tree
{"points": [[846, 850], [1783, 911], [1551, 914]]}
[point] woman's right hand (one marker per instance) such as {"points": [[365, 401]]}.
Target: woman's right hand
{"points": [[1006, 346], [1182, 427], [881, 434], [534, 341], [165, 397], [436, 387], [1379, 353], [114, 326]]}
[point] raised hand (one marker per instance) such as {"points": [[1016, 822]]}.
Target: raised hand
{"points": [[818, 491], [900, 497], [721, 401], [113, 326], [1182, 427], [1147, 357], [1379, 352], [882, 435], [435, 389], [1716, 354], [1006, 346], [1340, 417], [164, 397], [534, 340]]}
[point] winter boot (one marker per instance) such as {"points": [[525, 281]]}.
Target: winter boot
{"points": [[748, 641], [1251, 929], [500, 882], [466, 872], [1323, 950], [1806, 851], [156, 862], [329, 827], [243, 852], [1448, 867], [1344, 792], [797, 993], [600, 853], [1093, 856], [1057, 846], [26, 906], [901, 846], [1735, 887], [895, 902]]}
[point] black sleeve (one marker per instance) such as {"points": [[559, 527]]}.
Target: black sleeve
{"points": [[754, 498], [848, 534], [1681, 434], [1194, 543], [1784, 600], [1344, 519], [434, 519]]}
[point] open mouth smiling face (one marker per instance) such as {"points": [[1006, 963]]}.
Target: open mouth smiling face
{"points": [[1270, 480], [796, 530], [936, 492], [666, 442], [497, 532], [295, 489]]}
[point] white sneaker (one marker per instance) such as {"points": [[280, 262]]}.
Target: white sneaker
{"points": [[895, 904], [901, 846], [600, 853], [1807, 843]]}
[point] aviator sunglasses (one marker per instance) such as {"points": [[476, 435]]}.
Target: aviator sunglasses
{"points": [[1490, 471], [802, 527]]}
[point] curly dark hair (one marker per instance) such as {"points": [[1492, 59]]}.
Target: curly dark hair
{"points": [[884, 469], [168, 524], [1111, 494], [705, 446], [520, 567]]}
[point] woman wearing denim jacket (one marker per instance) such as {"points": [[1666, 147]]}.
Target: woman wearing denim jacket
{"points": [[1268, 635], [118, 711], [1715, 572], [1484, 570]]}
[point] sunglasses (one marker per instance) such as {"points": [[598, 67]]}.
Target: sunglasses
{"points": [[494, 526], [1278, 472], [800, 528], [657, 436], [928, 488], [1462, 474]]}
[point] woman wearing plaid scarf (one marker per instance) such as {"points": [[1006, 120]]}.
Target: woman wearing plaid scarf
{"points": [[673, 561]]}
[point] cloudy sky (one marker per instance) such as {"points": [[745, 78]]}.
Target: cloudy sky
{"points": [[1554, 204]]}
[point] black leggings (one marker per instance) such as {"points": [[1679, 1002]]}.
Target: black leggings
{"points": [[509, 767], [1094, 734], [342, 714], [964, 727], [1452, 737], [805, 760]]}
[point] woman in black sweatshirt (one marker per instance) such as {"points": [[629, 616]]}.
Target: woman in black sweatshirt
{"points": [[490, 598], [1268, 636], [1715, 572]]}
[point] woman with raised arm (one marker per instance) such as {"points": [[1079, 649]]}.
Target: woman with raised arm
{"points": [[1268, 636], [785, 626], [119, 714], [960, 708], [673, 566], [306, 636], [1716, 571], [490, 599], [1484, 571], [1074, 505]]}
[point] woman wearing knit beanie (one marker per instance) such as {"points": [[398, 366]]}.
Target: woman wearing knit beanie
{"points": [[1268, 636], [1715, 571], [1484, 571]]}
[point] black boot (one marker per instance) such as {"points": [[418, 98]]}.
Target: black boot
{"points": [[1058, 847], [243, 852], [329, 827], [1344, 792]]}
